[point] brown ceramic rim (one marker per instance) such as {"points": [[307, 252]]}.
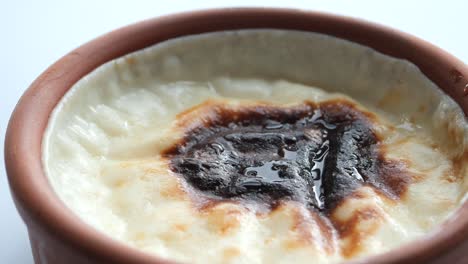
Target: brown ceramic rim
{"points": [[41, 208]]}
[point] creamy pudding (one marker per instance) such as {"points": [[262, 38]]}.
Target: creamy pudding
{"points": [[258, 146]]}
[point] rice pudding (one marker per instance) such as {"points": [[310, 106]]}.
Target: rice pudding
{"points": [[258, 146]]}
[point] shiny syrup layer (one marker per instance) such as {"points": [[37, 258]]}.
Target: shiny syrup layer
{"points": [[313, 154]]}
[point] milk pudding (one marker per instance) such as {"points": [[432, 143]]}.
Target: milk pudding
{"points": [[258, 146]]}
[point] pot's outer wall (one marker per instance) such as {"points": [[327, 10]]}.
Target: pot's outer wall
{"points": [[58, 236]]}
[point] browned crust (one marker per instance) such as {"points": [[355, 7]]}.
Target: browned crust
{"points": [[459, 165], [348, 230], [393, 174]]}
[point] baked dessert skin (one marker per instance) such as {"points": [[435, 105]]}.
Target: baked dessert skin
{"points": [[314, 154], [107, 146]]}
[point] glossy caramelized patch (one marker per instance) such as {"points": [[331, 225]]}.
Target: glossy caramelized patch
{"points": [[315, 154]]}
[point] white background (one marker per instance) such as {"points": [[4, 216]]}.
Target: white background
{"points": [[34, 34]]}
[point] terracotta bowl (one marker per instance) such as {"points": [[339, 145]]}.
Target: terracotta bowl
{"points": [[58, 236]]}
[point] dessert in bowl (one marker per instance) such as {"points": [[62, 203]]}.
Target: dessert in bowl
{"points": [[259, 145]]}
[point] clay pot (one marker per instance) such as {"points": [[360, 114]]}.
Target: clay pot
{"points": [[58, 236]]}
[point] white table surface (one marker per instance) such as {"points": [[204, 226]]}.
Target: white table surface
{"points": [[34, 34]]}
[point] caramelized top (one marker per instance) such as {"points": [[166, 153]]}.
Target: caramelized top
{"points": [[313, 154]]}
